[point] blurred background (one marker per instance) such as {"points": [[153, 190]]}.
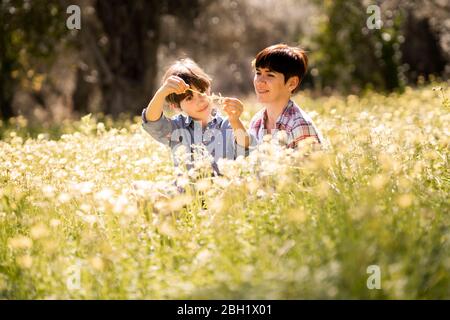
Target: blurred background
{"points": [[113, 64]]}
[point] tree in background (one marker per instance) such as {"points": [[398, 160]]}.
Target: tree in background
{"points": [[226, 35], [28, 34], [348, 55], [118, 56], [119, 40], [129, 44], [426, 49], [118, 43]]}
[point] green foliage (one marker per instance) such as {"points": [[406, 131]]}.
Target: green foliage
{"points": [[29, 32], [348, 55]]}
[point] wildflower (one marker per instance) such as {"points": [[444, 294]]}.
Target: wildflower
{"points": [[24, 261], [202, 257], [64, 198], [39, 231], [217, 205], [89, 219], [97, 263], [100, 128], [20, 242], [203, 185], [120, 204], [55, 223], [167, 229], [104, 195], [179, 202], [261, 194], [85, 187], [378, 181], [405, 200], [323, 189]]}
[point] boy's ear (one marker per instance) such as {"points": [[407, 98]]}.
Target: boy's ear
{"points": [[172, 106], [293, 82]]}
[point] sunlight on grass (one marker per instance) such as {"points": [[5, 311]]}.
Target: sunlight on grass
{"points": [[97, 214]]}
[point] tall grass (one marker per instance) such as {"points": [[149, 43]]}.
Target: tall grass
{"points": [[96, 213]]}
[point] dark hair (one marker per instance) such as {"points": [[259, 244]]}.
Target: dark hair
{"points": [[192, 74], [290, 61]]}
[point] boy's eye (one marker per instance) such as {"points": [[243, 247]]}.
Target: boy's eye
{"points": [[271, 75], [188, 98]]}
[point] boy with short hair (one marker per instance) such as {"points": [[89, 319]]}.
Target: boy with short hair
{"points": [[279, 70], [186, 87]]}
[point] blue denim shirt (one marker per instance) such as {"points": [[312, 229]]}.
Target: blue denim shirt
{"points": [[217, 136]]}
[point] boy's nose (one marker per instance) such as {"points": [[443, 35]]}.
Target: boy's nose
{"points": [[260, 79]]}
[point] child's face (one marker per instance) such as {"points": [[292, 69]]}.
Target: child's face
{"points": [[270, 86], [197, 106]]}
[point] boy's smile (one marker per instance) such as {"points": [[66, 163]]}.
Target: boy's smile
{"points": [[203, 108], [270, 86]]}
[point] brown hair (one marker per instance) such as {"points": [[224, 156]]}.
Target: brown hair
{"points": [[192, 74], [290, 61]]}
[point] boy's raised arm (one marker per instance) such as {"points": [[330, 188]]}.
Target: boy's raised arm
{"points": [[173, 84], [155, 106]]}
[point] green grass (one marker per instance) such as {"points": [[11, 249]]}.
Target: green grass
{"points": [[101, 204]]}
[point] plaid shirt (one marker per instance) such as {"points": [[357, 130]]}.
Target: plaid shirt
{"points": [[297, 124]]}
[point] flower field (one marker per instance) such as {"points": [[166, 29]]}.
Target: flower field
{"points": [[96, 214]]}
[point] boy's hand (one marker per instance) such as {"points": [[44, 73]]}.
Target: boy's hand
{"points": [[233, 107], [174, 84]]}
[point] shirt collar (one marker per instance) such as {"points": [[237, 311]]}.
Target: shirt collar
{"points": [[286, 109], [216, 117], [187, 121]]}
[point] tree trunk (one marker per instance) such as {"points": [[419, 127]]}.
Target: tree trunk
{"points": [[80, 97], [6, 81], [130, 59], [421, 50], [6, 110]]}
